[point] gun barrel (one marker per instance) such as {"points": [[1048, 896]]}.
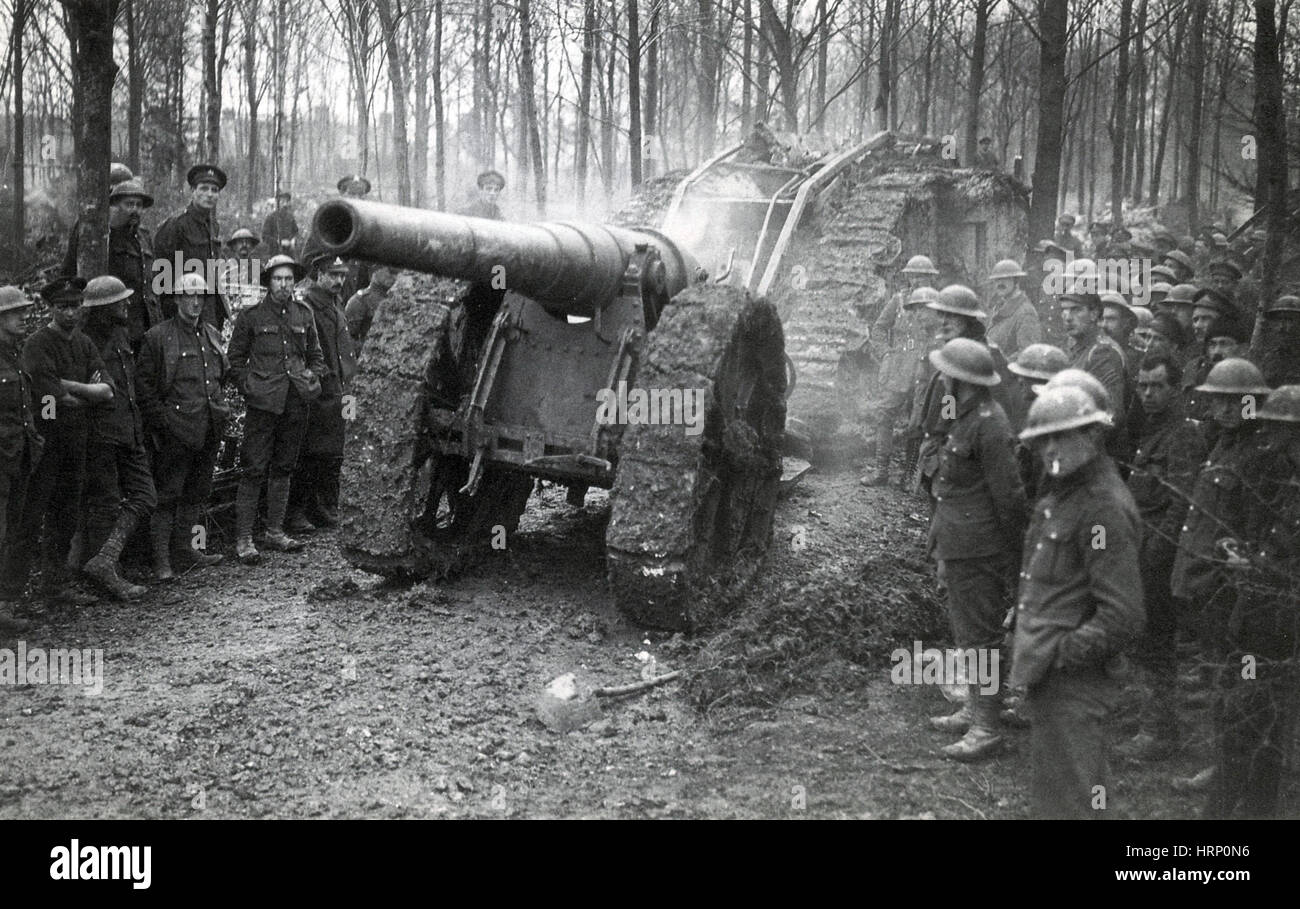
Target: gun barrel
{"points": [[569, 268]]}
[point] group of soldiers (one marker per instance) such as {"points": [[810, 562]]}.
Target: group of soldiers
{"points": [[1133, 491], [113, 414]]}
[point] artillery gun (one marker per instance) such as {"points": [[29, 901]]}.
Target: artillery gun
{"points": [[459, 408]]}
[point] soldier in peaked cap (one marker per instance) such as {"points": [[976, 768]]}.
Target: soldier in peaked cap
{"points": [[20, 443], [489, 186], [313, 499], [194, 235], [354, 185], [280, 229], [68, 379]]}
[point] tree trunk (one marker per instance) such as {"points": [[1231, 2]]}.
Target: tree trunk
{"points": [[1166, 115], [251, 19], [211, 91], [20, 131], [823, 52], [651, 99], [439, 114], [527, 93], [418, 37], [927, 79], [134, 89], [1119, 117], [976, 84], [1053, 18], [397, 89], [746, 68], [1136, 170], [633, 92], [584, 100], [90, 38], [1196, 61], [707, 81], [1270, 126]]}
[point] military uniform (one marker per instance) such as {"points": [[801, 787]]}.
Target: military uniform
{"points": [[56, 486], [279, 230], [184, 409], [929, 421], [360, 313], [1103, 358], [193, 234], [1080, 605], [118, 476], [1165, 464], [901, 339], [20, 443], [130, 260], [1014, 324], [316, 480]]}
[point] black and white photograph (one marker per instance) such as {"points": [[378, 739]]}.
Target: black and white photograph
{"points": [[867, 410]]}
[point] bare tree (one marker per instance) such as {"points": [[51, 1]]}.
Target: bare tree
{"points": [[1270, 125], [1053, 21], [397, 84], [1119, 116]]}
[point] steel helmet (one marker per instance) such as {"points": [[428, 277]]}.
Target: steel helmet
{"points": [[959, 300], [920, 265], [104, 290], [1006, 268], [243, 234], [1225, 267], [967, 360], [192, 283], [1144, 316], [12, 298], [1163, 272], [118, 173], [921, 296], [1282, 406], [1209, 298], [1085, 382], [1113, 299], [1181, 293], [277, 261], [1235, 376], [1061, 408], [1283, 304], [1162, 288], [130, 188], [1181, 258], [1039, 361]]}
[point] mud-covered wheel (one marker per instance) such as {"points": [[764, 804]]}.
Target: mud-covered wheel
{"points": [[692, 507], [401, 513]]}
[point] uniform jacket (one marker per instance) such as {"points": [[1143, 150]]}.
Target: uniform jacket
{"points": [[273, 346], [1169, 454], [901, 340], [1103, 358], [17, 423], [1231, 489], [980, 507], [279, 225], [178, 384], [1015, 325], [335, 342], [360, 313], [195, 234], [118, 422], [130, 260], [1080, 601], [49, 356]]}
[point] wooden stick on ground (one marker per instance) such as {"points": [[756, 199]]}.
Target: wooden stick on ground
{"points": [[635, 687]]}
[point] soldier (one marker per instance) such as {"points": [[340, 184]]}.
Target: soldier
{"points": [[1141, 336], [194, 236], [68, 378], [184, 410], [1013, 321], [900, 335], [1080, 603], [361, 308], [1095, 352], [490, 185], [1259, 708], [1280, 340], [280, 229], [353, 186], [1165, 335], [1033, 366], [1163, 274], [960, 316], [20, 444], [1228, 490], [975, 531], [1181, 266], [275, 359], [314, 495], [239, 280], [242, 243], [1118, 319], [1163, 242], [1181, 303], [1169, 454], [986, 158], [1226, 278], [119, 484], [1065, 237]]}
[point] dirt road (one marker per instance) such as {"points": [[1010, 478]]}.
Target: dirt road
{"points": [[300, 688]]}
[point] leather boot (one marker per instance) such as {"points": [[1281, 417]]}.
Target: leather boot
{"points": [[245, 516], [277, 502], [187, 518], [957, 722], [323, 510], [160, 538], [103, 567], [982, 739]]}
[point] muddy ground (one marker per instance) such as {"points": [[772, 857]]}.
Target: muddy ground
{"points": [[300, 688]]}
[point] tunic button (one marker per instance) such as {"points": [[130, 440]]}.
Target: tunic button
{"points": [[1038, 545]]}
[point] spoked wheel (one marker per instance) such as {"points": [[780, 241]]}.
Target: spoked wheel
{"points": [[693, 505]]}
